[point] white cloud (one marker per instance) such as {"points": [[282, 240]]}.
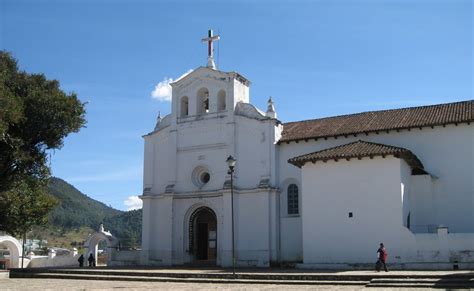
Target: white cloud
{"points": [[133, 202], [162, 91]]}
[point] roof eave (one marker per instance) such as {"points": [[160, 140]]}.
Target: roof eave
{"points": [[468, 122]]}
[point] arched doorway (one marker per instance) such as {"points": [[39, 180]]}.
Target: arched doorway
{"points": [[11, 257], [108, 242], [203, 235]]}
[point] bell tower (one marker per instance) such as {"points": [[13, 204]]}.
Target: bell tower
{"points": [[207, 91]]}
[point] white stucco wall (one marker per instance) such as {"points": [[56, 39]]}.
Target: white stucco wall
{"points": [[291, 226], [126, 258], [371, 190], [255, 232], [422, 200], [157, 230], [442, 251], [57, 261], [183, 208], [446, 152]]}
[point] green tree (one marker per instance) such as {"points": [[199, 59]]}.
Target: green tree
{"points": [[35, 117]]}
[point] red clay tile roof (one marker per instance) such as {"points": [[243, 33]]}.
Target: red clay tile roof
{"points": [[375, 121], [359, 149]]}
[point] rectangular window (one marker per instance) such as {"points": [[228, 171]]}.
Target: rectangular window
{"points": [[293, 199]]}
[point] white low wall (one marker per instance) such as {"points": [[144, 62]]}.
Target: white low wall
{"points": [[426, 251], [442, 251], [57, 261], [125, 258]]}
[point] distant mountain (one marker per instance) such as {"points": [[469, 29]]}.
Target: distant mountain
{"points": [[76, 210]]}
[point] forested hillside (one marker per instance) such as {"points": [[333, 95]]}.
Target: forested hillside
{"points": [[76, 209], [76, 215]]}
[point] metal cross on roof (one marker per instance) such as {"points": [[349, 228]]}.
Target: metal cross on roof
{"points": [[210, 48]]}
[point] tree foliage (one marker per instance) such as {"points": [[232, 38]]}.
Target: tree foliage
{"points": [[127, 227], [35, 117]]}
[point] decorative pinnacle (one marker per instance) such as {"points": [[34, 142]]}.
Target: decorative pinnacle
{"points": [[271, 109], [158, 120]]}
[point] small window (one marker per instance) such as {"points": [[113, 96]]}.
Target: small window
{"points": [[184, 106], [205, 177], [200, 176], [221, 105], [293, 199]]}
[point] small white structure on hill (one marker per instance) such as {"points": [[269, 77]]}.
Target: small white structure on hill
{"points": [[322, 192]]}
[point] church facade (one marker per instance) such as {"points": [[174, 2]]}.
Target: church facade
{"points": [[320, 193]]}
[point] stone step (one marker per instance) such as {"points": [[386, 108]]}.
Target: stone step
{"points": [[226, 274], [461, 283], [419, 285], [422, 280], [388, 280], [188, 280], [257, 276]]}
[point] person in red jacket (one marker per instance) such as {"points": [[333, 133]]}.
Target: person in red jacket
{"points": [[382, 254]]}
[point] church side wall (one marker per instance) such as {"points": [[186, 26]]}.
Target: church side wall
{"points": [[423, 219], [291, 248], [446, 153], [406, 193], [291, 226], [370, 190]]}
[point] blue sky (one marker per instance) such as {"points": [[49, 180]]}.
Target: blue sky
{"points": [[316, 58]]}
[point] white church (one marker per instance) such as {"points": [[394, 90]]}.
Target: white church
{"points": [[320, 193]]}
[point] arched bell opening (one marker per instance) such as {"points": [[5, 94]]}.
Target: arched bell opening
{"points": [[203, 101], [221, 101], [184, 106], [203, 235]]}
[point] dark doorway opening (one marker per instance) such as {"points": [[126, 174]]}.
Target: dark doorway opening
{"points": [[202, 243], [203, 235]]}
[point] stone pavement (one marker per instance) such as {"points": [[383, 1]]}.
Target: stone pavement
{"points": [[258, 271], [254, 279], [60, 284]]}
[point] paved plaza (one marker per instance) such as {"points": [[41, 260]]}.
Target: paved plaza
{"points": [[59, 284], [149, 279]]}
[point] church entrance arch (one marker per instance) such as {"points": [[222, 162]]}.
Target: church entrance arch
{"points": [[10, 258], [92, 245], [203, 235]]}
